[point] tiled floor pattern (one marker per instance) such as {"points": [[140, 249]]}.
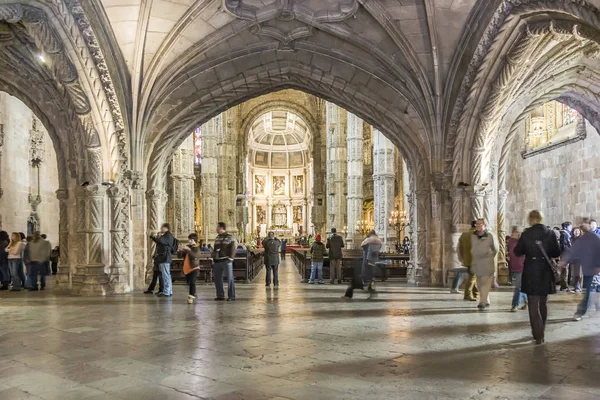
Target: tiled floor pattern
{"points": [[298, 342]]}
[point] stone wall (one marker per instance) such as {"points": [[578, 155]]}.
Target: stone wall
{"points": [[563, 183], [17, 175]]}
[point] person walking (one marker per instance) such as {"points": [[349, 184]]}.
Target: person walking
{"points": [[223, 256], [5, 277], [484, 248], [165, 246], [371, 247], [15, 261], [335, 243], [191, 264], [283, 248], [54, 257], [272, 247], [465, 258], [38, 254], [317, 256], [515, 267], [586, 252], [576, 266], [565, 244], [536, 244]]}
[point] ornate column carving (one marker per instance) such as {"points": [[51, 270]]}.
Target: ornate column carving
{"points": [[156, 200], [226, 167], [63, 276], [337, 167], [355, 178], [502, 265], [209, 174], [317, 211], [119, 238], [488, 205], [420, 273], [477, 198], [90, 278], [383, 178], [182, 173]]}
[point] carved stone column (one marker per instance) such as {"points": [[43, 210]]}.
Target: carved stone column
{"points": [[63, 276], [383, 185], [182, 173], [210, 193], [119, 239], [488, 211], [156, 200], [502, 265], [477, 199], [421, 273], [90, 278], [227, 150], [317, 211], [355, 179], [457, 201], [337, 167]]}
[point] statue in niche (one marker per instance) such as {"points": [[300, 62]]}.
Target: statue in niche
{"points": [[259, 184], [299, 184], [279, 185], [261, 215], [297, 213]]}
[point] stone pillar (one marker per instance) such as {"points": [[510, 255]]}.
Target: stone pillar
{"points": [[318, 172], [63, 276], [209, 174], [383, 185], [421, 272], [119, 239], [156, 200], [182, 173], [457, 198], [355, 179], [90, 278], [477, 200], [337, 167], [502, 265], [226, 167], [488, 209]]}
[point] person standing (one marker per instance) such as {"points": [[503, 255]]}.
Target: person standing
{"points": [[576, 266], [46, 268], [223, 255], [371, 247], [586, 252], [15, 261], [272, 247], [335, 243], [594, 227], [484, 248], [38, 254], [191, 264], [54, 257], [283, 248], [165, 245], [565, 243], [4, 268], [538, 277], [515, 267], [317, 256], [464, 256]]}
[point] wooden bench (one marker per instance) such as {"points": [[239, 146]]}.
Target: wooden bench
{"points": [[245, 267], [205, 268]]}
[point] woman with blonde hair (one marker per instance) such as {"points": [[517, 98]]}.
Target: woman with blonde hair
{"points": [[537, 244], [15, 261]]}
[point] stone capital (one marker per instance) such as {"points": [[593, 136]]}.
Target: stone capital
{"points": [[62, 194], [118, 191], [156, 195]]}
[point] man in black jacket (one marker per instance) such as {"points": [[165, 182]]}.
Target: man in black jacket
{"points": [[223, 255], [272, 246], [335, 243], [565, 244], [164, 247]]}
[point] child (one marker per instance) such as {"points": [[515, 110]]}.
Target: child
{"points": [[191, 264]]}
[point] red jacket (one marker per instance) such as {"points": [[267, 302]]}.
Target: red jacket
{"points": [[515, 263]]}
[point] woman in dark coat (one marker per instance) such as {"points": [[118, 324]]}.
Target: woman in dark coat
{"points": [[538, 278]]}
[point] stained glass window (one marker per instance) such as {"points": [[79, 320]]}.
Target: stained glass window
{"points": [[197, 146], [569, 115]]}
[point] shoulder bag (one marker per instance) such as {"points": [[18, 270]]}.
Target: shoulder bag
{"points": [[551, 263]]}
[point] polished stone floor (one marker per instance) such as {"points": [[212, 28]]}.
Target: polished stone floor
{"points": [[298, 342]]}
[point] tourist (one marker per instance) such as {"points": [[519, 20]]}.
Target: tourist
{"points": [[191, 264], [4, 268], [24, 240], [15, 261], [54, 257], [371, 247], [165, 246], [594, 227], [484, 248], [537, 244], [576, 266], [272, 246], [46, 267], [564, 242], [406, 245], [317, 256], [283, 248], [223, 255], [464, 256], [38, 254], [515, 267], [335, 243], [156, 277], [586, 251], [26, 266], [203, 247]]}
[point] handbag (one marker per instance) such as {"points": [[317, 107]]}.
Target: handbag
{"points": [[551, 264]]}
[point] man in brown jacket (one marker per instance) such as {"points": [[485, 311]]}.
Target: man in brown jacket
{"points": [[335, 243], [464, 256]]}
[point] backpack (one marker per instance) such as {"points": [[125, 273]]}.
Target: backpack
{"points": [[175, 245]]}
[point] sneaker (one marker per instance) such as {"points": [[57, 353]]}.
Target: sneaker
{"points": [[480, 306], [230, 299], [159, 294], [577, 291], [148, 291], [311, 282], [219, 299], [539, 341], [321, 283], [514, 309], [276, 286], [267, 285], [577, 317], [191, 299], [455, 291], [523, 307]]}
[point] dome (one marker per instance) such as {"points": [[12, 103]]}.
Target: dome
{"points": [[279, 139]]}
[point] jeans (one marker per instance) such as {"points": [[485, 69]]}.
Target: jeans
{"points": [[220, 268], [538, 312], [156, 276], [484, 283], [191, 279], [16, 271], [587, 296], [35, 269], [577, 274], [275, 269], [5, 275], [335, 269], [318, 267], [367, 272], [165, 270], [518, 297], [459, 277]]}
